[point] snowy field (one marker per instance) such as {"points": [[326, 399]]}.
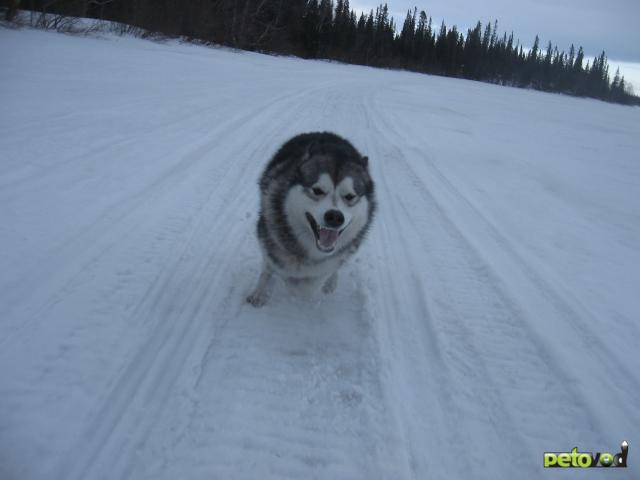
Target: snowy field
{"points": [[491, 316]]}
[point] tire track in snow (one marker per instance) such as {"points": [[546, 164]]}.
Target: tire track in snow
{"points": [[158, 361], [422, 346], [590, 404], [396, 305], [553, 398], [298, 396], [463, 358], [157, 364], [42, 176], [109, 229], [568, 308]]}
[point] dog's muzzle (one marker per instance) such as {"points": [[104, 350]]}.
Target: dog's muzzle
{"points": [[326, 238]]}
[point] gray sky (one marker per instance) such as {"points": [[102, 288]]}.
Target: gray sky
{"points": [[610, 25]]}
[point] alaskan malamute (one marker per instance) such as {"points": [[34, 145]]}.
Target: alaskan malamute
{"points": [[317, 203]]}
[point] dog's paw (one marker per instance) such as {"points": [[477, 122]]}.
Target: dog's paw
{"points": [[257, 299]]}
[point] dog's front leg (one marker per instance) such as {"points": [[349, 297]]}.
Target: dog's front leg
{"points": [[262, 292], [331, 283]]}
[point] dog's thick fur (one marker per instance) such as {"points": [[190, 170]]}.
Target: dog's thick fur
{"points": [[317, 204]]}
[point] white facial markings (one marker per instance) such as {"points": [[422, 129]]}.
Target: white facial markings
{"points": [[324, 185], [345, 193], [302, 200], [296, 204]]}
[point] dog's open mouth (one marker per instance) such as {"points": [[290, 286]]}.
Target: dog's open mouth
{"points": [[326, 238]]}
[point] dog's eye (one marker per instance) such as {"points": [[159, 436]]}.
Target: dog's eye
{"points": [[317, 191], [349, 197]]}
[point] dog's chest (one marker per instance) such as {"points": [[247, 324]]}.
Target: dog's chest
{"points": [[309, 270]]}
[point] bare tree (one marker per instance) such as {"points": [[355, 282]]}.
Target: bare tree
{"points": [[12, 9]]}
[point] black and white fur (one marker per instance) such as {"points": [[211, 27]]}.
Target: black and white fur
{"points": [[317, 203]]}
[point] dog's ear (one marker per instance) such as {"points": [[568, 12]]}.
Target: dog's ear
{"points": [[312, 149], [365, 161]]}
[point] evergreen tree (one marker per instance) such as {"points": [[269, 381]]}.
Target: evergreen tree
{"points": [[310, 30], [325, 26], [330, 29]]}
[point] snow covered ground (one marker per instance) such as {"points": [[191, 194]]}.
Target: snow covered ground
{"points": [[491, 316]]}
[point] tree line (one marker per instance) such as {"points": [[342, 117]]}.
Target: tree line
{"points": [[332, 30]]}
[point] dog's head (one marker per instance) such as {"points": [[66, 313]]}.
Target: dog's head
{"points": [[331, 202]]}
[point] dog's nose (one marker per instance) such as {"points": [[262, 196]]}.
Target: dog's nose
{"points": [[333, 218]]}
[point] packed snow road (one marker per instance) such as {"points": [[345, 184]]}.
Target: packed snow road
{"points": [[491, 315]]}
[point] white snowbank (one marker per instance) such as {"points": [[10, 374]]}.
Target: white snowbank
{"points": [[491, 316]]}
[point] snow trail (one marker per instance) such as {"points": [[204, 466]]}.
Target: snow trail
{"points": [[490, 312]]}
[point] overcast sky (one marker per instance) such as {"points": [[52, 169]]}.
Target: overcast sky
{"points": [[610, 25]]}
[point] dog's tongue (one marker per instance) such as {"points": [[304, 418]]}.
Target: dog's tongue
{"points": [[327, 237]]}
